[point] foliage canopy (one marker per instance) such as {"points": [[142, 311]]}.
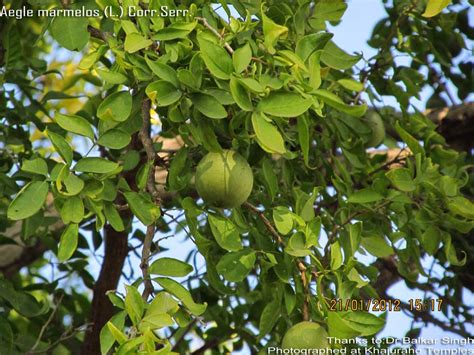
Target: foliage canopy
{"points": [[98, 155]]}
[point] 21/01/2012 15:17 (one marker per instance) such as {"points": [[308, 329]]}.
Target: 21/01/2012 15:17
{"points": [[382, 305]]}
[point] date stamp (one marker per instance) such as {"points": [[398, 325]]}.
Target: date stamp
{"points": [[384, 305]]}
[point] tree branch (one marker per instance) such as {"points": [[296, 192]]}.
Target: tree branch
{"points": [[27, 256], [96, 33], [147, 143], [266, 222]]}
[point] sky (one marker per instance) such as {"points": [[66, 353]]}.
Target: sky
{"points": [[351, 34]]}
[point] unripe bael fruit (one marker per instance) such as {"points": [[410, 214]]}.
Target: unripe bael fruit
{"points": [[378, 129], [224, 179], [305, 335]]}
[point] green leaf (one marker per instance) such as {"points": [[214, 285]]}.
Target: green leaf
{"points": [[156, 321], [23, 302], [134, 304], [309, 44], [448, 186], [269, 317], [355, 233], [35, 166], [329, 10], [178, 178], [252, 85], [351, 84], [461, 206], [135, 41], [336, 256], [283, 219], [176, 30], [75, 124], [434, 7], [70, 184], [312, 231], [223, 96], [68, 242], [236, 266], [72, 210], [336, 58], [114, 139], [225, 233], [112, 77], [61, 146], [307, 209], [116, 107], [70, 32], [450, 252], [28, 201], [297, 245], [163, 303], [272, 32], [304, 137], [181, 293], [163, 93], [338, 328], [163, 71], [366, 195], [284, 104], [116, 333], [95, 165], [401, 179], [377, 246], [146, 211], [363, 322], [268, 136], [336, 102], [412, 143], [290, 299], [107, 340], [241, 58], [6, 336], [216, 58], [240, 95], [170, 267], [270, 178], [113, 217], [91, 58], [209, 106]]}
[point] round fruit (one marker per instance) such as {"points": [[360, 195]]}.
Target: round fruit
{"points": [[305, 335], [378, 129], [224, 179]]}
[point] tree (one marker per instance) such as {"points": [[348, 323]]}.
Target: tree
{"points": [[99, 153]]}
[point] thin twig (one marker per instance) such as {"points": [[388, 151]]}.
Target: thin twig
{"points": [[398, 159], [266, 222], [48, 322], [216, 33], [439, 80], [184, 333], [65, 336]]}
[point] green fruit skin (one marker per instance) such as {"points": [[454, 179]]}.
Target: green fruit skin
{"points": [[378, 129], [305, 335], [224, 179]]}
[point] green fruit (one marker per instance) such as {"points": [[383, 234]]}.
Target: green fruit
{"points": [[305, 335], [378, 129], [224, 179]]}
